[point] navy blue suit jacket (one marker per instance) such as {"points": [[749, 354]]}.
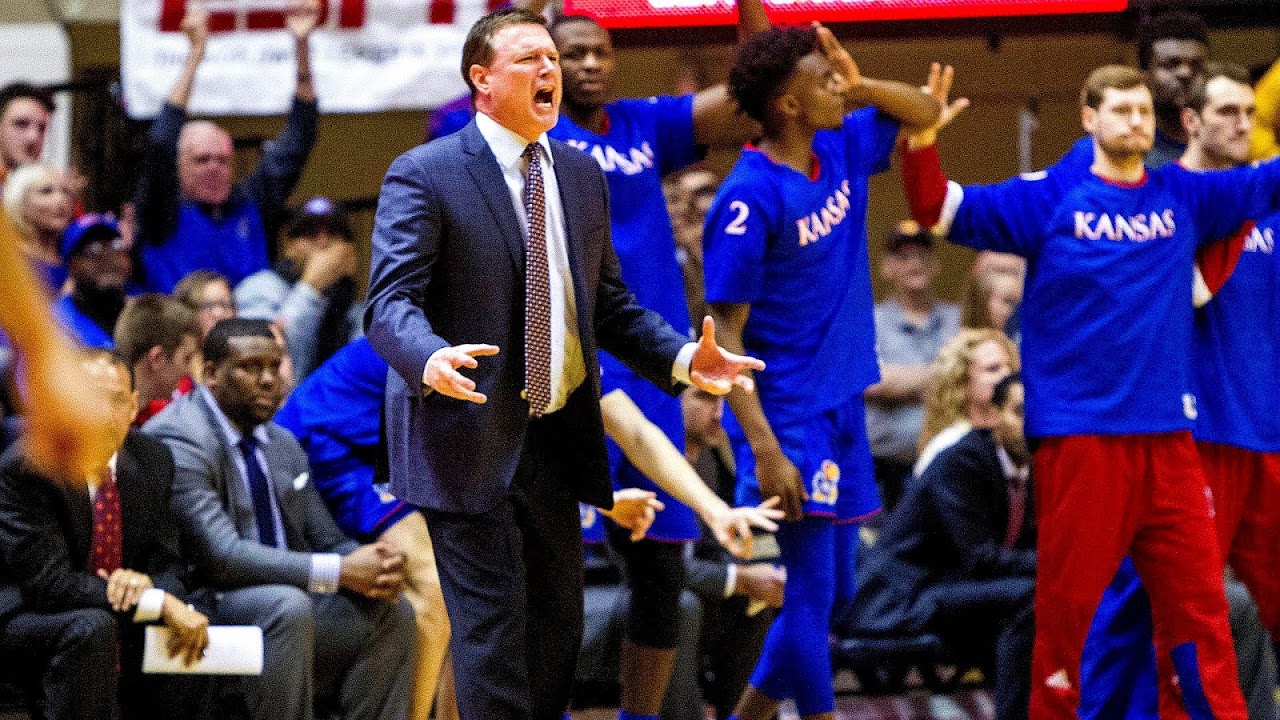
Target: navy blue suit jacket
{"points": [[448, 268]]}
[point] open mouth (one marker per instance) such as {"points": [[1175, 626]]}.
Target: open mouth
{"points": [[544, 97]]}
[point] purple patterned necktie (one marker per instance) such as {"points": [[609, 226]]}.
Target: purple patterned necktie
{"points": [[537, 294]]}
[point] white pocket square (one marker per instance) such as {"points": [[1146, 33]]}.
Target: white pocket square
{"points": [[301, 481]]}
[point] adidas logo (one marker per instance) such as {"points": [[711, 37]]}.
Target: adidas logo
{"points": [[1059, 681]]}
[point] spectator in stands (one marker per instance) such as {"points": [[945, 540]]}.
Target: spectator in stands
{"points": [[37, 200], [336, 414], [208, 295], [956, 557], [911, 326], [689, 196], [157, 337], [262, 537], [311, 292], [190, 214], [960, 385], [25, 112], [99, 263], [1173, 49], [990, 301], [87, 564]]}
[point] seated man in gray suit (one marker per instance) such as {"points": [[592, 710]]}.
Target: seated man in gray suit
{"points": [[330, 610]]}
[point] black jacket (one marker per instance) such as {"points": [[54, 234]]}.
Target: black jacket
{"points": [[46, 530], [949, 527]]}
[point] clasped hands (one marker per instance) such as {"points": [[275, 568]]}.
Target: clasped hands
{"points": [[712, 368], [189, 628]]}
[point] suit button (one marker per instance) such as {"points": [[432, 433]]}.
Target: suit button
{"points": [[524, 393]]}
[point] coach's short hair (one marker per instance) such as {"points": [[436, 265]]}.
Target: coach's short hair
{"points": [[1172, 25], [1110, 77], [478, 48], [217, 344], [1198, 96], [152, 320], [764, 64], [191, 286]]}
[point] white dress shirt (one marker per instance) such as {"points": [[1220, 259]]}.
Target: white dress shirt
{"points": [[568, 368]]}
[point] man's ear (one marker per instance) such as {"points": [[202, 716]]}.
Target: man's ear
{"points": [[1088, 118], [1190, 121], [787, 105], [153, 356], [479, 75]]}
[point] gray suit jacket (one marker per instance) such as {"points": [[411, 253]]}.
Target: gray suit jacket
{"points": [[215, 512]]}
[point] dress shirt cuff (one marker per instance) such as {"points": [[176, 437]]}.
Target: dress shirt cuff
{"points": [[684, 360], [730, 579], [326, 568], [149, 605]]}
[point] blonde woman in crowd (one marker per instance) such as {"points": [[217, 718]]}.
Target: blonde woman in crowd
{"points": [[959, 395], [39, 202]]}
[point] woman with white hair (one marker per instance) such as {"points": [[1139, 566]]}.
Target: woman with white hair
{"points": [[38, 201]]}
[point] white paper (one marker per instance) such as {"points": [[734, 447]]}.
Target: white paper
{"points": [[233, 650]]}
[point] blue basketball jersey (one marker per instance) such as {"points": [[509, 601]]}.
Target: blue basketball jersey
{"points": [[794, 248]]}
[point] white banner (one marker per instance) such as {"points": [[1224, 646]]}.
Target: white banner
{"points": [[367, 55]]}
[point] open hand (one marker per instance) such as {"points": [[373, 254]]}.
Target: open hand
{"points": [[732, 526], [717, 370], [302, 18], [634, 509], [839, 58], [441, 373], [938, 86], [195, 24]]}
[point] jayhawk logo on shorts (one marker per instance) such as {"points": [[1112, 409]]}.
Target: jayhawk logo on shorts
{"points": [[826, 483], [586, 515]]}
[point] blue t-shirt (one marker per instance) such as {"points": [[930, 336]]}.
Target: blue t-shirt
{"points": [[794, 248], [336, 414], [1237, 347], [1107, 311], [643, 141], [81, 326]]}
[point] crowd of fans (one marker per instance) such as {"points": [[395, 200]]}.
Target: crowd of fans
{"points": [[248, 466]]}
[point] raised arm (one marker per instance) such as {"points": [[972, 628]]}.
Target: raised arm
{"points": [[907, 104], [716, 117], [284, 158]]}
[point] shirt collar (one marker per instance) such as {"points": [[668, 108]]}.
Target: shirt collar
{"points": [[900, 317], [1008, 467], [506, 145], [111, 465], [229, 431]]}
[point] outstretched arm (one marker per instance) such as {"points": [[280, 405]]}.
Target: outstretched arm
{"points": [[195, 25], [652, 453]]}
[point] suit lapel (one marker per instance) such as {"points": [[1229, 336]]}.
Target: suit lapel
{"points": [[487, 174], [235, 494], [79, 508], [280, 472]]}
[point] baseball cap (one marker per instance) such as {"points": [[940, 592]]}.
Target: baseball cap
{"points": [[316, 215], [87, 227], [908, 232]]}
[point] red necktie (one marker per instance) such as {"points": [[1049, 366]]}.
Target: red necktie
{"points": [[107, 550], [537, 294], [1017, 507]]}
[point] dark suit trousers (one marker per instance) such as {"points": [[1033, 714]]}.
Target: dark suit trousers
{"points": [[69, 660], [969, 614], [512, 582]]}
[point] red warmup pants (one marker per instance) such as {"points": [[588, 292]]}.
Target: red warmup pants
{"points": [[1246, 498], [1098, 499]]}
